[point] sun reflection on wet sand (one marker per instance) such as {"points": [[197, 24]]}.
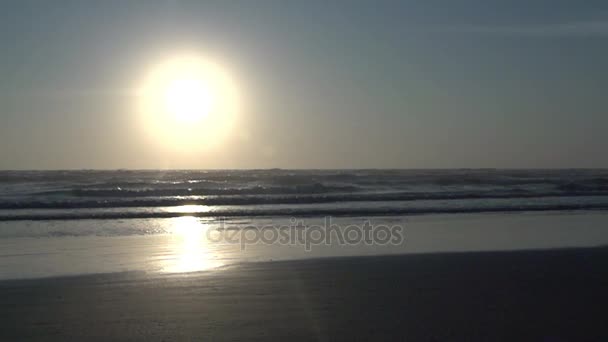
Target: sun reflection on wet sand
{"points": [[189, 248]]}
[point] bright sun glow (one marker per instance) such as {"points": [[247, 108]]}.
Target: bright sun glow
{"points": [[188, 102]]}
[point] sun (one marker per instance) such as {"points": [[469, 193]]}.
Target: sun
{"points": [[188, 102], [189, 98]]}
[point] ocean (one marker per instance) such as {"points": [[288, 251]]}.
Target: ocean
{"points": [[56, 223], [72, 195]]}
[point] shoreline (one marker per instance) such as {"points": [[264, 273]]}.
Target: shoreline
{"points": [[41, 250], [141, 275], [510, 295]]}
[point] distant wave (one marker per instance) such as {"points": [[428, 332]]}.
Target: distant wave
{"points": [[314, 188], [277, 177]]}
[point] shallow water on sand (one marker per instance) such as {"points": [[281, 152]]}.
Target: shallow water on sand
{"points": [[31, 249]]}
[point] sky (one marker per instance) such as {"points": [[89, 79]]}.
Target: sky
{"points": [[340, 84]]}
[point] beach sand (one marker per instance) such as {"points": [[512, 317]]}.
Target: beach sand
{"points": [[551, 295]]}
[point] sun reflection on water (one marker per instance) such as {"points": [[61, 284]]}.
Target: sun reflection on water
{"points": [[189, 248], [190, 209]]}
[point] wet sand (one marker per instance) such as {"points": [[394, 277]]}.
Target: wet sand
{"points": [[552, 295]]}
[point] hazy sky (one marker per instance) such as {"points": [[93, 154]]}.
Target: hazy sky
{"points": [[404, 84]]}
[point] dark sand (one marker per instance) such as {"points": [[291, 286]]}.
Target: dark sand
{"points": [[559, 295]]}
